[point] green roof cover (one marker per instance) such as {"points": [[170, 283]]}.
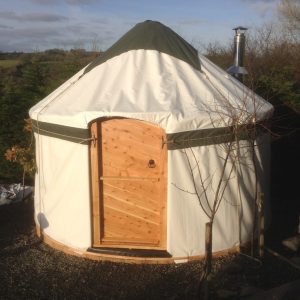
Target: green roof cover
{"points": [[151, 35]]}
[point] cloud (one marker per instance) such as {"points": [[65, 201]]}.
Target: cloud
{"points": [[76, 33], [45, 2], [262, 1], [80, 2], [33, 33], [192, 22], [32, 17], [2, 26], [202, 22], [70, 2], [262, 7], [32, 38]]}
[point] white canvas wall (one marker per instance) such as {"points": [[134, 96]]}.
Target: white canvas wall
{"points": [[62, 191], [234, 219], [62, 196]]}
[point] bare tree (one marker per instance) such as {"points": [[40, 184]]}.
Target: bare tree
{"points": [[272, 60], [289, 11], [95, 44], [237, 151]]}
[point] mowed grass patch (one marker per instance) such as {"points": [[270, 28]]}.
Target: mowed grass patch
{"points": [[9, 63]]}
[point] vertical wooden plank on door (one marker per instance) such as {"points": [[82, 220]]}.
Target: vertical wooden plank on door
{"points": [[95, 184], [163, 193]]}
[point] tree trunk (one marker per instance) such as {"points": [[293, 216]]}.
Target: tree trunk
{"points": [[204, 281], [261, 224], [208, 247]]}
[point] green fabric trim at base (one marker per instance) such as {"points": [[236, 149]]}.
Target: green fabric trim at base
{"points": [[151, 35]]}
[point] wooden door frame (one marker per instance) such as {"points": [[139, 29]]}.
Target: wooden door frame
{"points": [[95, 183]]}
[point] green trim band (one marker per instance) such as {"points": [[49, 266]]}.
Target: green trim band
{"points": [[179, 140], [211, 136], [71, 134]]}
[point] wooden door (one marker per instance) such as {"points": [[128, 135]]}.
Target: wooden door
{"points": [[128, 163]]}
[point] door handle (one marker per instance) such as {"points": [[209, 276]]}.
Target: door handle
{"points": [[151, 163]]}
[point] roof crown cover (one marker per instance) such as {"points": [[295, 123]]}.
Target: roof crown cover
{"points": [[152, 74], [151, 35]]}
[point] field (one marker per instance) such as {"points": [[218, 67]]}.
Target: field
{"points": [[9, 63]]}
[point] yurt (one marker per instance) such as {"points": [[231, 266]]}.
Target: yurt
{"points": [[133, 149]]}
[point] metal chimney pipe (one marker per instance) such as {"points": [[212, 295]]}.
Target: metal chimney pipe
{"points": [[237, 69]]}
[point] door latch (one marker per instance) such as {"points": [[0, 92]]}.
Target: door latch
{"points": [[151, 163]]}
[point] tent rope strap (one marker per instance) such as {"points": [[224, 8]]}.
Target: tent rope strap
{"points": [[178, 140]]}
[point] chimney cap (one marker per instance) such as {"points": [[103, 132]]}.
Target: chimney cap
{"points": [[240, 29]]}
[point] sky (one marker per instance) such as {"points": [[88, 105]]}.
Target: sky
{"points": [[37, 25]]}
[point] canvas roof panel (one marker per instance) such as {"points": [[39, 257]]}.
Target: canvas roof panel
{"points": [[153, 86]]}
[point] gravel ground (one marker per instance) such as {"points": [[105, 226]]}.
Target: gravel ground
{"points": [[30, 269]]}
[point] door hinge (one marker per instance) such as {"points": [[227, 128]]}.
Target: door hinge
{"points": [[94, 140], [163, 142]]}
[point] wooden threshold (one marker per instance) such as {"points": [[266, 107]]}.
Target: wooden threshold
{"points": [[130, 252], [128, 178], [136, 242]]}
